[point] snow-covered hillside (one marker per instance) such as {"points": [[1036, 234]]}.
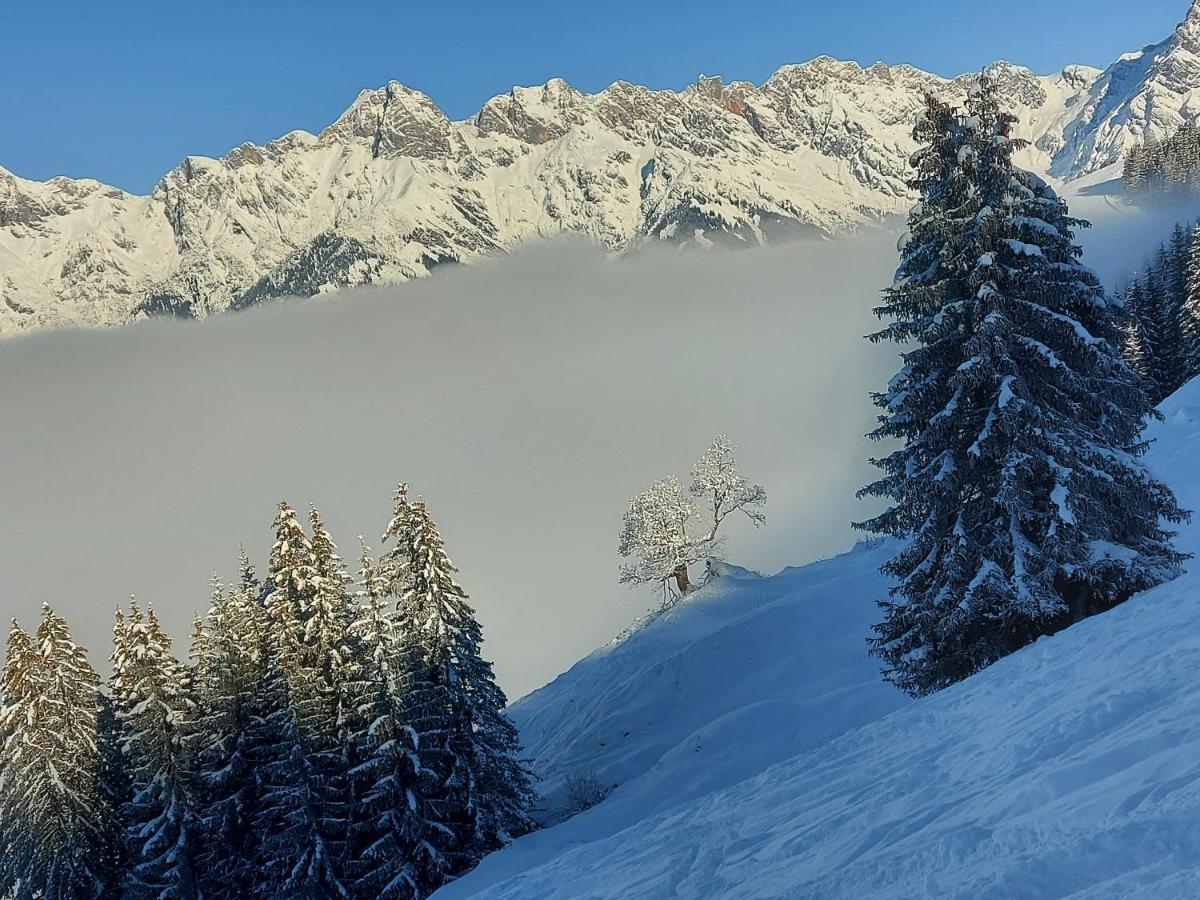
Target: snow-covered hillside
{"points": [[759, 756], [394, 188]]}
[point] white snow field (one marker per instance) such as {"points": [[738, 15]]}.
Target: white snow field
{"points": [[758, 754]]}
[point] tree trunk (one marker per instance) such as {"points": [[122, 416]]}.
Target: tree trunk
{"points": [[681, 579], [1078, 598]]}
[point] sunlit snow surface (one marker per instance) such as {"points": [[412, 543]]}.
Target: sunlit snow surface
{"points": [[759, 756]]}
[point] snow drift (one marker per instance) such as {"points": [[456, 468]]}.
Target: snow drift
{"points": [[758, 755]]}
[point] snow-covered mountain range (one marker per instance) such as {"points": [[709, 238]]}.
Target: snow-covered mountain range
{"points": [[394, 188]]}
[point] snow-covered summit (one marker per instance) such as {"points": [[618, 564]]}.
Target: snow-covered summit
{"points": [[393, 188], [758, 755], [395, 121], [1143, 95]]}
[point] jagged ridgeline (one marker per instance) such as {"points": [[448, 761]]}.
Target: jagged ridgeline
{"points": [[328, 737], [394, 188]]}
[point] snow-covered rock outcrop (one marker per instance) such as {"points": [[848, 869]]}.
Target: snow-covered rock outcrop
{"points": [[393, 188], [758, 755]]}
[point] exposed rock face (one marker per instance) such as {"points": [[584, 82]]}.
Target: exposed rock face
{"points": [[393, 187]]}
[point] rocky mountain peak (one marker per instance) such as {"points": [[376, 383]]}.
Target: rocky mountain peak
{"points": [[1017, 84], [395, 121], [533, 115], [1080, 76], [1187, 33]]}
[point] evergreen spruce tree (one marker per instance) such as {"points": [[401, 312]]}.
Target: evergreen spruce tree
{"points": [[157, 721], [20, 679], [301, 818], [1169, 289], [115, 789], [476, 789], [1017, 486], [334, 717], [333, 654], [229, 676], [389, 852], [1137, 353], [1190, 313], [54, 819], [198, 653], [1141, 337], [1164, 304], [1158, 328], [1164, 169], [1134, 173], [1156, 169]]}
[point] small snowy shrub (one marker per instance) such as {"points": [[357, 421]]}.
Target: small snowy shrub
{"points": [[585, 790]]}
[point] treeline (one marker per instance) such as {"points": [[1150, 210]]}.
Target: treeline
{"points": [[1162, 341], [325, 739], [1016, 488], [1164, 168]]}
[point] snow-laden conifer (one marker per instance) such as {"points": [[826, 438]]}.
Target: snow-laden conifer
{"points": [[390, 854], [1165, 169], [1136, 351], [1141, 336], [19, 681], [1163, 302], [229, 674], [1017, 485], [1168, 293], [55, 822], [1190, 313], [156, 717], [300, 821], [476, 789], [330, 644]]}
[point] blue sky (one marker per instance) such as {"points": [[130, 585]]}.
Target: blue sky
{"points": [[121, 91]]}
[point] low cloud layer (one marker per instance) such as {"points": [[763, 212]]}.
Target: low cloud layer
{"points": [[527, 398]]}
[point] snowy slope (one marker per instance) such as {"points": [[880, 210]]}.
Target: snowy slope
{"points": [[393, 188], [759, 757], [768, 657]]}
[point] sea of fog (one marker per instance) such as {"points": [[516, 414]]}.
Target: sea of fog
{"points": [[526, 398]]}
